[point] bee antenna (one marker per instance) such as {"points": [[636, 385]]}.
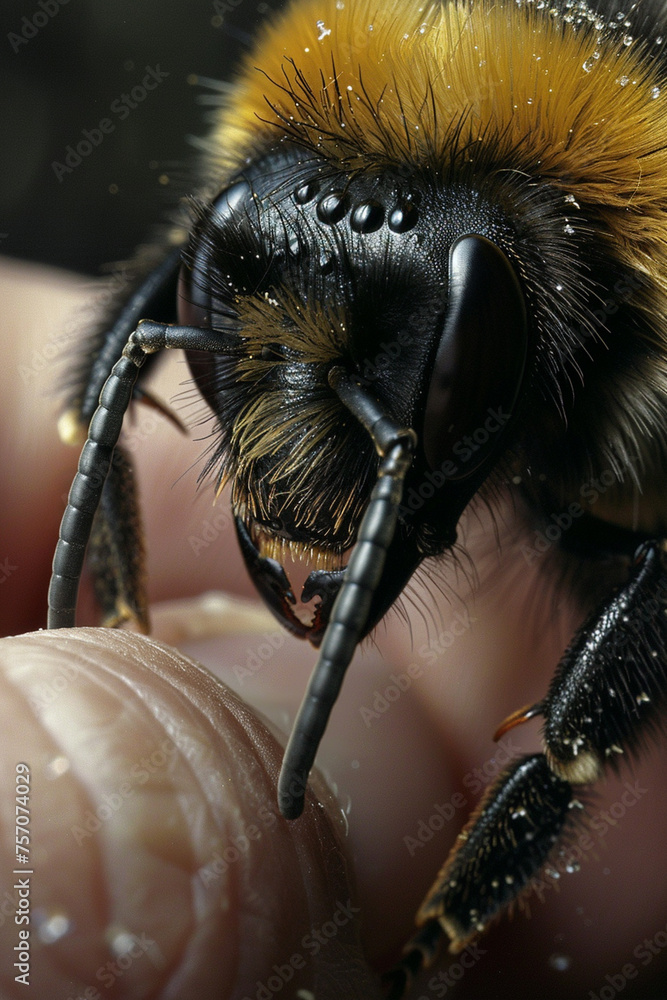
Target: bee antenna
{"points": [[350, 614]]}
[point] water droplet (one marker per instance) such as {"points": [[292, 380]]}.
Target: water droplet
{"points": [[624, 81], [120, 941], [628, 40], [559, 962], [53, 928], [655, 92], [57, 766], [323, 32], [568, 229], [572, 867], [588, 65]]}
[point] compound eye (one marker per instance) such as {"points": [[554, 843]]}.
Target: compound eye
{"points": [[198, 303], [480, 361]]}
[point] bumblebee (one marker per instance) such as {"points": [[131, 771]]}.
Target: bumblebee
{"points": [[475, 193]]}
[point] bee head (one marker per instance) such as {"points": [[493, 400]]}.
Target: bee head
{"points": [[399, 280]]}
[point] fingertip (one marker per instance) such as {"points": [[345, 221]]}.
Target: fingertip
{"points": [[162, 864]]}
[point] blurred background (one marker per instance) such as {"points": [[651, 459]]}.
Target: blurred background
{"points": [[63, 66], [92, 164]]}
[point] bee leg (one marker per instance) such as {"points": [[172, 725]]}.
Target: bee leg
{"points": [[116, 549], [605, 698], [503, 846], [115, 554]]}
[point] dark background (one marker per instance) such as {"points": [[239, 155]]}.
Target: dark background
{"points": [[60, 77]]}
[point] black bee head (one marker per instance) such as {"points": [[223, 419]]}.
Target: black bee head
{"points": [[400, 282]]}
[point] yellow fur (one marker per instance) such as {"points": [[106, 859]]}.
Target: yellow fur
{"points": [[408, 73]]}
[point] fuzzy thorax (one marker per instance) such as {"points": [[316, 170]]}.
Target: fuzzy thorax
{"points": [[559, 95]]}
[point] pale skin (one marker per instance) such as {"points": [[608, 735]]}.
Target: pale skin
{"points": [[125, 843]]}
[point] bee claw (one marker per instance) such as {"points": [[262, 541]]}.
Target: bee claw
{"points": [[271, 582], [324, 584]]}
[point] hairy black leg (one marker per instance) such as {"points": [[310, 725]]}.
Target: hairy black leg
{"points": [[116, 549], [115, 554], [606, 697], [96, 456]]}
